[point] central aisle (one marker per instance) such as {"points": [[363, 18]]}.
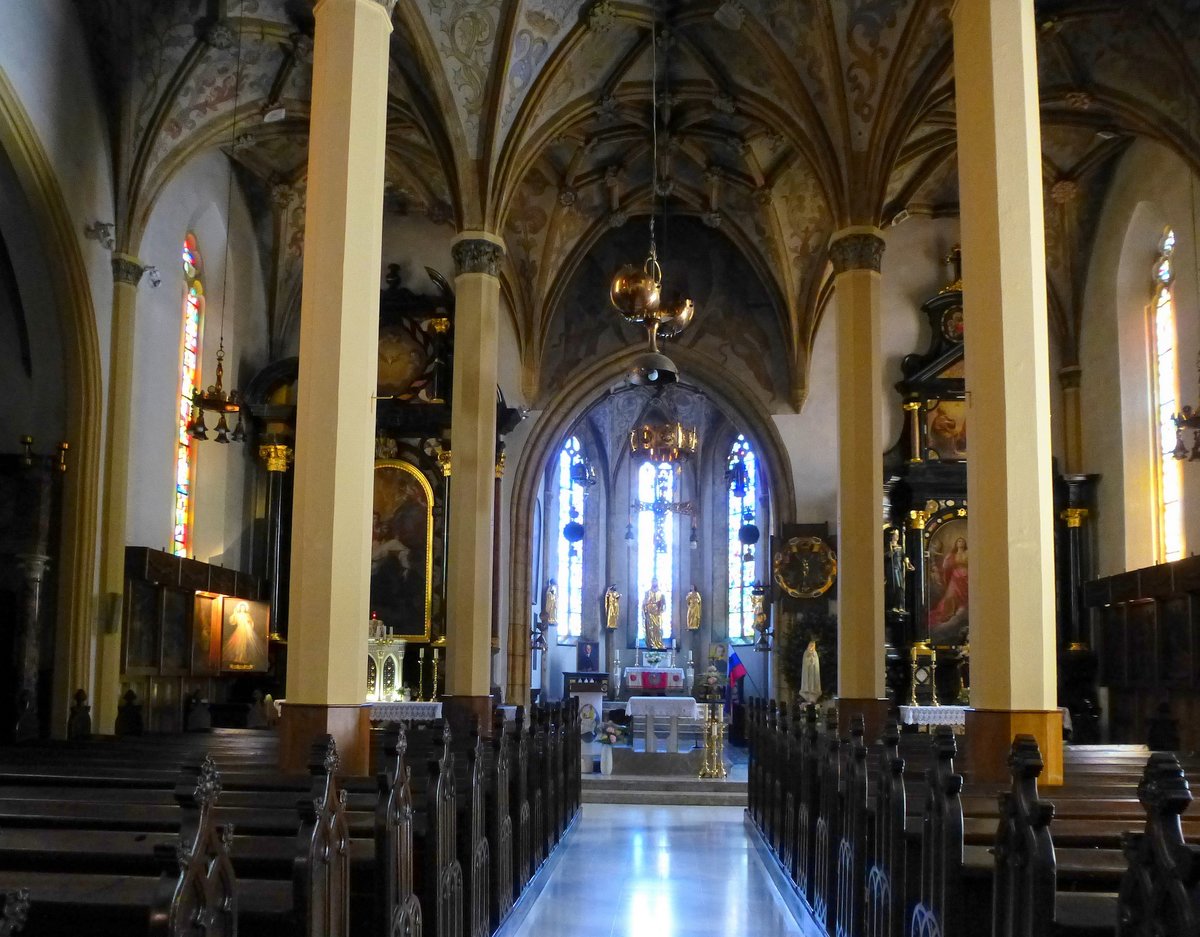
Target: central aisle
{"points": [[632, 871]]}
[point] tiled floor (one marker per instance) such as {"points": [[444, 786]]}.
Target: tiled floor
{"points": [[631, 871]]}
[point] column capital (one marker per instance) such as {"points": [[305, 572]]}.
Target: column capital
{"points": [[276, 457], [127, 269], [477, 252], [856, 248]]}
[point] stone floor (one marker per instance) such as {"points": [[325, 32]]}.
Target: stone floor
{"points": [[632, 871]]}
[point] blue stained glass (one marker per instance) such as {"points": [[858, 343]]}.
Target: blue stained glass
{"points": [[742, 493], [570, 555]]}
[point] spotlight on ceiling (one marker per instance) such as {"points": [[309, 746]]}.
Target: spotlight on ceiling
{"points": [[652, 369], [274, 114]]}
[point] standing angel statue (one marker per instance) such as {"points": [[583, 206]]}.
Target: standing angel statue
{"points": [[694, 602], [612, 608], [550, 604]]}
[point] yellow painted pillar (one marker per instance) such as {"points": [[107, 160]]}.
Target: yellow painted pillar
{"points": [[477, 257], [335, 416], [127, 274], [856, 254], [1010, 517]]}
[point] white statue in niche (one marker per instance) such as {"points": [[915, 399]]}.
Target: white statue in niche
{"points": [[810, 674]]}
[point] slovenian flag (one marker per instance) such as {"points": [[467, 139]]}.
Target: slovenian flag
{"points": [[737, 669]]}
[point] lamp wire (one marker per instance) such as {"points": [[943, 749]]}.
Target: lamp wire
{"points": [[653, 129], [237, 86]]}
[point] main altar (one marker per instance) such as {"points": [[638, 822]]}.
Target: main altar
{"points": [[655, 674]]}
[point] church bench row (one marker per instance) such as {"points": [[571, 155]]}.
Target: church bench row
{"points": [[506, 770], [856, 862]]}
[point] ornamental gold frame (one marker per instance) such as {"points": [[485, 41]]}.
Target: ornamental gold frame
{"points": [[403, 466]]}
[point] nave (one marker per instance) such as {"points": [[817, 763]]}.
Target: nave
{"points": [[633, 871]]}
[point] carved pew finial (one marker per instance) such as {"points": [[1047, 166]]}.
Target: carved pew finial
{"points": [[197, 881], [14, 913], [1024, 871], [1160, 889]]}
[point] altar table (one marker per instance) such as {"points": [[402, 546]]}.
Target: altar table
{"points": [[405, 712], [682, 706], [934, 715], [663, 679]]}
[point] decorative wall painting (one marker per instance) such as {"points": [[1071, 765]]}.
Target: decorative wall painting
{"points": [[245, 626], [946, 430], [402, 549], [947, 588]]}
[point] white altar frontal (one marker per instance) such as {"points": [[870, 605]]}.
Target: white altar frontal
{"points": [[685, 707]]}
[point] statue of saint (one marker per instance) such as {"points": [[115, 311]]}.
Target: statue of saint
{"points": [[759, 609], [652, 611], [810, 674], [899, 566], [612, 607], [550, 604], [693, 609]]}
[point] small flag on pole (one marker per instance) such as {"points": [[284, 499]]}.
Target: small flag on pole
{"points": [[737, 669]]}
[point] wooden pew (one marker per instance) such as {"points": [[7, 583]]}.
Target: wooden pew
{"points": [[519, 803], [439, 877], [497, 788], [187, 878], [1160, 890], [397, 910]]}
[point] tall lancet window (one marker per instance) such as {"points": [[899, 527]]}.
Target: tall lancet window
{"points": [[1166, 404], [742, 489], [656, 520], [572, 475], [189, 377]]}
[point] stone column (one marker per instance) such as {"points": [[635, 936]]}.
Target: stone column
{"points": [[856, 254], [278, 461], [127, 274], [335, 414], [477, 257], [1014, 678], [33, 571]]}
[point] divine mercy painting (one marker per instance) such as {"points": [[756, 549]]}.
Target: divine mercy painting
{"points": [[947, 574], [402, 549], [244, 635]]}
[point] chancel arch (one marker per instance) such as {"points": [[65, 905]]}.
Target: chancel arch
{"points": [[737, 406]]}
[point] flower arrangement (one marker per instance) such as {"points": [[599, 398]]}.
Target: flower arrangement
{"points": [[610, 733]]}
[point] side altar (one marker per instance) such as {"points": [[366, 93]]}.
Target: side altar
{"points": [[656, 674]]}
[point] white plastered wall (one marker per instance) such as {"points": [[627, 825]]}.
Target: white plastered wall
{"points": [[1150, 190], [195, 200]]}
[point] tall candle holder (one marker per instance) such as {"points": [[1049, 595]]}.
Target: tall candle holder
{"points": [[433, 692], [421, 674]]}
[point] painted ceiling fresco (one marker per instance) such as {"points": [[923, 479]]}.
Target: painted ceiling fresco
{"points": [[779, 122]]}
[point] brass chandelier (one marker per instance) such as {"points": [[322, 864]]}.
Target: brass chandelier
{"points": [[671, 443], [637, 291]]}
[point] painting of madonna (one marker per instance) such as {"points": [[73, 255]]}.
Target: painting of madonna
{"points": [[948, 591]]}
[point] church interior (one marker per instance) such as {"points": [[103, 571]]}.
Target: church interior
{"points": [[542, 434]]}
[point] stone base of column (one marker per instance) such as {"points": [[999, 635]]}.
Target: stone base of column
{"points": [[989, 736], [874, 713], [349, 724], [463, 711]]}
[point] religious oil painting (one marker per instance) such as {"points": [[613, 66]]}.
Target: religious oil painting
{"points": [[244, 635], [402, 549], [946, 430], [206, 622], [947, 572]]}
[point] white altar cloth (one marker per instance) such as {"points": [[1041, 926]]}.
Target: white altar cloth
{"points": [[933, 715], [654, 678], [405, 712], [683, 706]]}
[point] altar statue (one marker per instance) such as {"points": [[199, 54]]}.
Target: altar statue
{"points": [[810, 674], [899, 566], [550, 604], [693, 609], [612, 607], [652, 611]]}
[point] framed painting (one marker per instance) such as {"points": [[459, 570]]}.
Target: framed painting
{"points": [[946, 430], [143, 619], [175, 652], [402, 549], [587, 657], [244, 629], [946, 572], [206, 625]]}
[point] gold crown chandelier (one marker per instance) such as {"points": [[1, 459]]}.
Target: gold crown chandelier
{"points": [[637, 291], [671, 443]]}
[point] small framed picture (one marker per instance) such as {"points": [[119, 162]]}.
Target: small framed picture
{"points": [[587, 657]]}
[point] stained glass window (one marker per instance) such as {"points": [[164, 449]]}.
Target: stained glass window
{"points": [[654, 504], [571, 475], [742, 489], [189, 377], [1166, 403]]}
